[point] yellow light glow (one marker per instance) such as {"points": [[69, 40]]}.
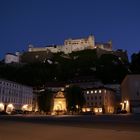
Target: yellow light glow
{"points": [[88, 109], [84, 109], [77, 106], [25, 107], [59, 103], [125, 105], [125, 101], [62, 89], [1, 106], [127, 108], [100, 110], [9, 108], [95, 110]]}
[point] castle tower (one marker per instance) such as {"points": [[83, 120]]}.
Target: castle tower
{"points": [[30, 47], [110, 43], [91, 41]]}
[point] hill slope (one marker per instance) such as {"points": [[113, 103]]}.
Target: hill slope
{"points": [[62, 67]]}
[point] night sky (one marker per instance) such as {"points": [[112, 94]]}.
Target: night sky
{"points": [[44, 22]]}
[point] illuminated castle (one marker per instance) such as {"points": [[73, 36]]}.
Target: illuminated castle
{"points": [[71, 45]]}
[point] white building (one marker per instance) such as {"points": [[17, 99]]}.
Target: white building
{"points": [[130, 90], [99, 100], [15, 96], [11, 58], [71, 45]]}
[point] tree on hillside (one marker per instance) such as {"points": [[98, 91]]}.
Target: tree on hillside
{"points": [[135, 63], [75, 98], [111, 69]]}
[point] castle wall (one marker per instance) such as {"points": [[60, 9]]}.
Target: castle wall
{"points": [[71, 45]]}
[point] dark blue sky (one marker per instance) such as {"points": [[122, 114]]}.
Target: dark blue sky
{"points": [[43, 22]]}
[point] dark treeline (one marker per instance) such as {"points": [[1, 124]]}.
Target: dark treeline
{"points": [[108, 68]]}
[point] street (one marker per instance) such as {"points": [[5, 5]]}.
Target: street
{"points": [[69, 127]]}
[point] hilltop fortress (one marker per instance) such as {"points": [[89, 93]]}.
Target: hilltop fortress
{"points": [[41, 54], [71, 45]]}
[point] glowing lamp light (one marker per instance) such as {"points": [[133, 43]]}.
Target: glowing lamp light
{"points": [[25, 107], [100, 110], [95, 110], [88, 109], [9, 108], [77, 106], [83, 109], [125, 101], [1, 106]]}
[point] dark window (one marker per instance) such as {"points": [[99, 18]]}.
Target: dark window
{"points": [[95, 97]]}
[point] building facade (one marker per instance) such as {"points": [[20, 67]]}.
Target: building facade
{"points": [[130, 91], [99, 100], [15, 96], [12, 58], [59, 103]]}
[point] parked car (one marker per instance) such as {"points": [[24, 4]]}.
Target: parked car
{"points": [[3, 113], [87, 113], [121, 111], [14, 112]]}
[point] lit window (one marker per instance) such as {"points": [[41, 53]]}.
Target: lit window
{"points": [[105, 91], [100, 91], [87, 92], [92, 91], [95, 91]]}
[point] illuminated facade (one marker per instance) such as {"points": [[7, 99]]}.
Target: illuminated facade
{"points": [[15, 96], [11, 58], [130, 91], [99, 100], [59, 103], [71, 45]]}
